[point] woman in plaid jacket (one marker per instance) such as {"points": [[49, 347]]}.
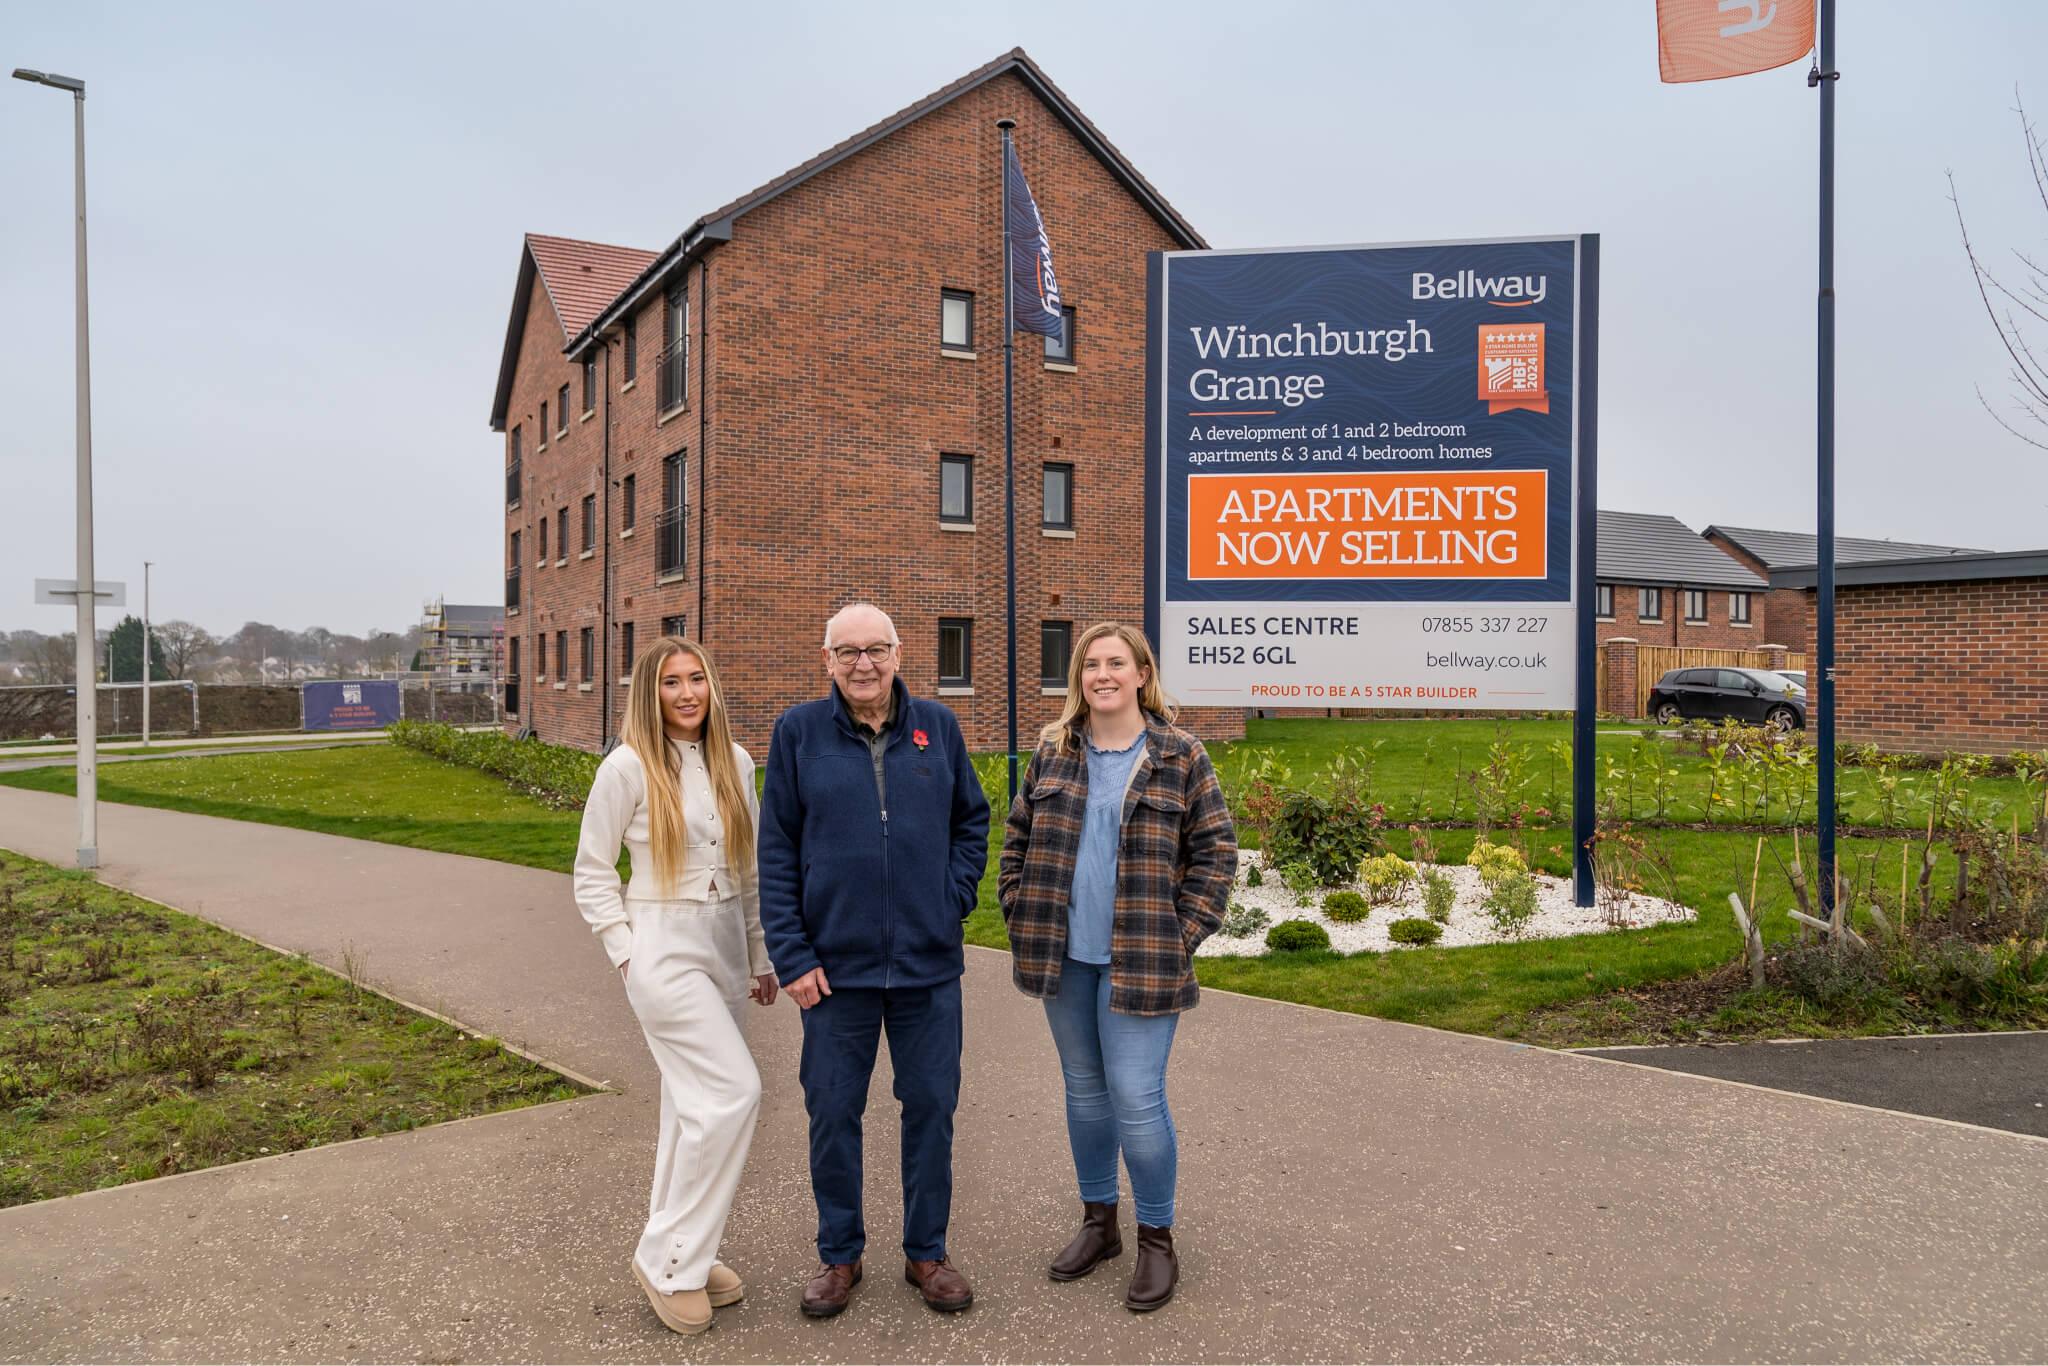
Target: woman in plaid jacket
{"points": [[1118, 860]]}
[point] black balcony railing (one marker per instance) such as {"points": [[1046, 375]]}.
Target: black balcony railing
{"points": [[669, 540], [512, 484], [512, 591], [675, 371]]}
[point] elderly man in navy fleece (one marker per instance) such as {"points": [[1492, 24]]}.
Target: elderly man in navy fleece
{"points": [[873, 838]]}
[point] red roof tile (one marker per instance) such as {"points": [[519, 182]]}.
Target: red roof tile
{"points": [[582, 277]]}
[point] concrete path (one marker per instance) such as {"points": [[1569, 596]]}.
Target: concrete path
{"points": [[1352, 1189], [1997, 1080]]}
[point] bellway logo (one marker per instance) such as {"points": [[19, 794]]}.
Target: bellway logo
{"points": [[1502, 291]]}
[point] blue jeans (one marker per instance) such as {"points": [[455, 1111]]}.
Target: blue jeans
{"points": [[1115, 1070], [841, 1034]]}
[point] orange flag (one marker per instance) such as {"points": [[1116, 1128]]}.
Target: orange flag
{"points": [[1705, 40]]}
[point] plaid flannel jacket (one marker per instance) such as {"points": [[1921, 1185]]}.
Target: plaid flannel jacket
{"points": [[1176, 864]]}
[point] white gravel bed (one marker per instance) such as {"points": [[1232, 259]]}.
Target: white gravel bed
{"points": [[1555, 918]]}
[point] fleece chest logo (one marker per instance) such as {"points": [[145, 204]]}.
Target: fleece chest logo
{"points": [[1502, 291]]}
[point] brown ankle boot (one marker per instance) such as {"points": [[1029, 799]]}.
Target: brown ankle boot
{"points": [[1097, 1242], [1158, 1270]]}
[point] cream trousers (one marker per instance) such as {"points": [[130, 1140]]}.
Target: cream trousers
{"points": [[687, 979]]}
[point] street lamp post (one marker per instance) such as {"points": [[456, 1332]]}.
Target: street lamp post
{"points": [[88, 693]]}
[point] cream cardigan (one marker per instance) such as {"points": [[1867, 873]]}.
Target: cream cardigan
{"points": [[616, 814]]}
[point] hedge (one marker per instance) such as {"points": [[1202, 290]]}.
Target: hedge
{"points": [[556, 774]]}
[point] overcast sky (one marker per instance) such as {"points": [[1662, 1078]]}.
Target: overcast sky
{"points": [[306, 222]]}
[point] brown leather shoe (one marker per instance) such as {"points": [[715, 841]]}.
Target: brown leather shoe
{"points": [[943, 1288], [826, 1293], [1096, 1243], [1157, 1272]]}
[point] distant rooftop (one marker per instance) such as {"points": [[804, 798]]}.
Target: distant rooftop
{"points": [[1989, 564], [1653, 548], [1783, 549]]}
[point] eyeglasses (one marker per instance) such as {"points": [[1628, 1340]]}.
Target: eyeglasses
{"points": [[850, 655]]}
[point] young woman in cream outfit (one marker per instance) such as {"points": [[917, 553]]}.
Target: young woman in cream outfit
{"points": [[685, 934]]}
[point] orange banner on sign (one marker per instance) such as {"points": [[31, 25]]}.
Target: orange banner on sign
{"points": [[1420, 525], [1707, 40]]}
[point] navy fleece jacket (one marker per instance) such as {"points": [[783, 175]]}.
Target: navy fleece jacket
{"points": [[874, 897]]}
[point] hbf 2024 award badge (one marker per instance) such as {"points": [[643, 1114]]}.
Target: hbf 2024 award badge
{"points": [[1511, 367]]}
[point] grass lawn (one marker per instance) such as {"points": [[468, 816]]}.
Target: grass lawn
{"points": [[1420, 765], [1517, 990], [136, 1042], [378, 792]]}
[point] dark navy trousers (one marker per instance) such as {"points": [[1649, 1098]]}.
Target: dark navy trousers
{"points": [[840, 1037]]}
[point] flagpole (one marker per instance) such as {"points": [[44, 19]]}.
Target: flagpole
{"points": [[1824, 75], [1009, 461]]}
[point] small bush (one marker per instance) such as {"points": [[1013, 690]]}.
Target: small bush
{"points": [[1413, 929], [1511, 904], [1386, 877], [1329, 838], [1244, 921], [1296, 936], [556, 774], [1495, 861], [1253, 877], [1439, 894], [1849, 978], [1346, 907], [1301, 879], [2004, 981]]}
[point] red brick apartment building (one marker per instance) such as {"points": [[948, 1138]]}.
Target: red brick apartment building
{"points": [[799, 402]]}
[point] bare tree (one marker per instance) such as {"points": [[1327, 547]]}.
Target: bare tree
{"points": [[55, 659], [182, 644], [2027, 293]]}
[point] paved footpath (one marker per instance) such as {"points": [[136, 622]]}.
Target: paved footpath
{"points": [[1352, 1189]]}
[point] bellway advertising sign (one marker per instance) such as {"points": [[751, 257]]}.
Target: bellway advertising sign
{"points": [[1363, 473], [368, 705]]}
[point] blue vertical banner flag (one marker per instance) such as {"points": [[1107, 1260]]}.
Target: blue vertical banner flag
{"points": [[1035, 290]]}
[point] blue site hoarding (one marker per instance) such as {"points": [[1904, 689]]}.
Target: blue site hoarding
{"points": [[368, 705]]}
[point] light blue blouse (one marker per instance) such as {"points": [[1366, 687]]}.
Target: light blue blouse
{"points": [[1091, 905]]}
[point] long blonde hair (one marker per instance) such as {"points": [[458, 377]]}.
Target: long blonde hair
{"points": [[1151, 696], [648, 736]]}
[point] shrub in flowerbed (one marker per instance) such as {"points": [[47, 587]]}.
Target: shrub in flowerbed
{"points": [[1385, 877], [1329, 836], [1414, 929], [1495, 861], [1511, 903], [1301, 879], [1294, 936], [556, 774], [1346, 907], [1242, 921], [1439, 894]]}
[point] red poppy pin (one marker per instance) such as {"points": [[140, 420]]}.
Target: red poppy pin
{"points": [[919, 738]]}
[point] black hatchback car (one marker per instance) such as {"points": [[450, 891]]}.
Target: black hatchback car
{"points": [[1719, 694]]}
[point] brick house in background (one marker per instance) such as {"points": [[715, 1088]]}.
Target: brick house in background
{"points": [[1938, 653], [799, 402], [1787, 616], [1659, 583]]}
